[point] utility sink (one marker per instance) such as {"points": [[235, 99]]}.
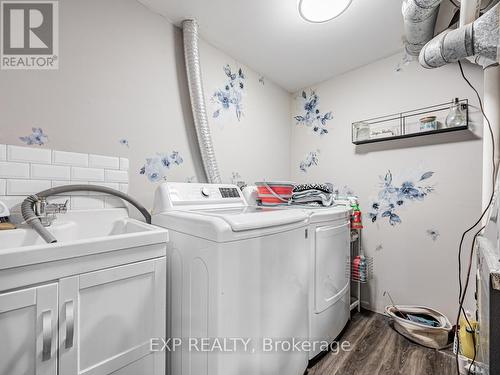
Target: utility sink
{"points": [[79, 233]]}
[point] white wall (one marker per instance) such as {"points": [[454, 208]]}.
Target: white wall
{"points": [[258, 146], [122, 76], [408, 263]]}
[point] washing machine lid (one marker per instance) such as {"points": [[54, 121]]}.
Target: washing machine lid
{"points": [[231, 224], [254, 217]]}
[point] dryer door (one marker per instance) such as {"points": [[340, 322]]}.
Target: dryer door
{"points": [[331, 265]]}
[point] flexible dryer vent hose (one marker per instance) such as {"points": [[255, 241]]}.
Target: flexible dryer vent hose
{"points": [[30, 217], [195, 82]]}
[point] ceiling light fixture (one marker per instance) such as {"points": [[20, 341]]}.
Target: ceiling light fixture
{"points": [[319, 11]]}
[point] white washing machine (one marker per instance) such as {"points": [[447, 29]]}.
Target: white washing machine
{"points": [[234, 272]]}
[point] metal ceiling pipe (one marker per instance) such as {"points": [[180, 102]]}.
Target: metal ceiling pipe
{"points": [[196, 93], [419, 22], [482, 38], [469, 11], [492, 111]]}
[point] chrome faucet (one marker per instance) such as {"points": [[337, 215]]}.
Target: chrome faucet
{"points": [[47, 212]]}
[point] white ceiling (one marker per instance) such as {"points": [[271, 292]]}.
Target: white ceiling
{"points": [[270, 37]]}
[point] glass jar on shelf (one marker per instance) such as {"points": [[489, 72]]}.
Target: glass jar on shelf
{"points": [[362, 131], [456, 116]]}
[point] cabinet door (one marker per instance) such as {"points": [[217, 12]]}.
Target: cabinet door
{"points": [[108, 317], [28, 331]]}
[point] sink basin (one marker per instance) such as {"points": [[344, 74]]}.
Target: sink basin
{"points": [[78, 233]]}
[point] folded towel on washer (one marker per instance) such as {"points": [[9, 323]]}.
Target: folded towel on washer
{"points": [[325, 188], [312, 197]]}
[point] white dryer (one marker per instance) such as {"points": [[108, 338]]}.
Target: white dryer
{"points": [[234, 272], [329, 274]]}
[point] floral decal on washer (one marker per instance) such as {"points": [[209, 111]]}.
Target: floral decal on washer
{"points": [[37, 137], [230, 98], [311, 159], [157, 166], [312, 116], [393, 197]]}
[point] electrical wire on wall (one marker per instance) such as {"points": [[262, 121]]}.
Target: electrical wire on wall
{"points": [[463, 288]]}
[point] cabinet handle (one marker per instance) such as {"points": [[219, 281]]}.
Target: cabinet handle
{"points": [[46, 335], [70, 324]]}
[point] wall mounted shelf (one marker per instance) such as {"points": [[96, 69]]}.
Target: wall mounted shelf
{"points": [[424, 121]]}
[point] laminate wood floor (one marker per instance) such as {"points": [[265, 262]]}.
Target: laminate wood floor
{"points": [[377, 349]]}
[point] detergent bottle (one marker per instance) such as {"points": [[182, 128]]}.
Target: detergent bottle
{"points": [[467, 335], [356, 222]]}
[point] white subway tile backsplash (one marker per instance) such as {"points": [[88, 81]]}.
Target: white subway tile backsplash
{"points": [[86, 203], [87, 174], [29, 154], [124, 188], [124, 164], [3, 152], [100, 161], [113, 202], [70, 158], [28, 170], [14, 170], [50, 172], [26, 187], [116, 176]]}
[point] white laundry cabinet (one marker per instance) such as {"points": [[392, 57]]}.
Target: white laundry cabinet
{"points": [[96, 322]]}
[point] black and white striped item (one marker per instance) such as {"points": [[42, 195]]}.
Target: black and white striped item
{"points": [[326, 187], [313, 194]]}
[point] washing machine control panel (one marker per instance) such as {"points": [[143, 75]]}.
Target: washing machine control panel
{"points": [[229, 192], [185, 195], [205, 192]]}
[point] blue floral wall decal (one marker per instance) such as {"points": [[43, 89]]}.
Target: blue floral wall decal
{"points": [[312, 158], [393, 197], [231, 96], [312, 116], [37, 137], [433, 234], [191, 179], [156, 167], [343, 191], [262, 80], [124, 142]]}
